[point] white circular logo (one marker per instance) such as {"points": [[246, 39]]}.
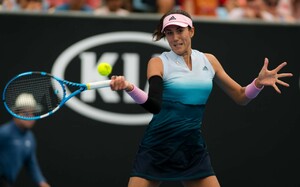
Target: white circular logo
{"points": [[85, 109]]}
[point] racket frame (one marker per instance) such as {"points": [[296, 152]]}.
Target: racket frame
{"points": [[63, 84]]}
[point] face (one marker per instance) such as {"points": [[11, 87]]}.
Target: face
{"points": [[25, 124], [179, 38]]}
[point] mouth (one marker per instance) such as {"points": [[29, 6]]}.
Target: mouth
{"points": [[178, 44]]}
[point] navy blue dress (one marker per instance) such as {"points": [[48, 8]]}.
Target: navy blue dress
{"points": [[173, 148]]}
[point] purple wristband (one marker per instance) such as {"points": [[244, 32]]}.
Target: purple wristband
{"points": [[252, 91], [138, 95]]}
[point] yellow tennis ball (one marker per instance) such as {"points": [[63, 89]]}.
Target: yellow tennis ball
{"points": [[104, 68]]}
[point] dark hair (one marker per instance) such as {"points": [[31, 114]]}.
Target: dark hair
{"points": [[157, 34]]}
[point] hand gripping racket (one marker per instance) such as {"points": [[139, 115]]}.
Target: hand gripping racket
{"points": [[36, 95]]}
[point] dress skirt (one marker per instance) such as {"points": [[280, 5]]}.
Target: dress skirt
{"points": [[173, 148]]}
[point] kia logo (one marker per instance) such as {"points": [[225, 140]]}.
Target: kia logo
{"points": [[89, 59]]}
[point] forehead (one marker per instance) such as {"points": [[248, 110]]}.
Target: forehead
{"points": [[173, 27]]}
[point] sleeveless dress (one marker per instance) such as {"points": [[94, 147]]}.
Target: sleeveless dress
{"points": [[173, 148]]}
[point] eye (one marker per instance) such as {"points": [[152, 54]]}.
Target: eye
{"points": [[179, 30], [168, 33]]}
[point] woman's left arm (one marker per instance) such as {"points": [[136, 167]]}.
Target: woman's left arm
{"points": [[243, 95]]}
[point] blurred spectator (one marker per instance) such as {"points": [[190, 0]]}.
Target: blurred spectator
{"points": [[33, 5], [143, 7], [74, 5], [94, 3], [112, 7], [154, 6], [24, 5], [253, 9], [231, 4], [272, 8], [296, 10], [127, 4], [290, 9], [164, 6], [201, 7], [55, 3], [285, 7], [18, 145], [9, 5]]}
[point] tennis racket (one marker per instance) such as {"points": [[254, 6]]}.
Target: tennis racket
{"points": [[35, 95]]}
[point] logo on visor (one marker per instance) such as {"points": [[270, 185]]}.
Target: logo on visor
{"points": [[172, 18]]}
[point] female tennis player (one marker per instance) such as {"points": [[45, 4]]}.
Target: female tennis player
{"points": [[180, 82]]}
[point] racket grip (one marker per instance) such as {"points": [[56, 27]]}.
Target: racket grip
{"points": [[99, 84]]}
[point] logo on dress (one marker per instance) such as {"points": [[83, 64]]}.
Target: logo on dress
{"points": [[205, 68]]}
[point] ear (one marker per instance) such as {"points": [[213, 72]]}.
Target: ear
{"points": [[192, 32]]}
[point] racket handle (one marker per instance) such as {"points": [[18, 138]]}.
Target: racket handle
{"points": [[99, 84]]}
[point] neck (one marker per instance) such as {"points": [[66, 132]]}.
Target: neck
{"points": [[188, 59]]}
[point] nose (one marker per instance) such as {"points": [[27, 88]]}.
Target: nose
{"points": [[175, 36]]}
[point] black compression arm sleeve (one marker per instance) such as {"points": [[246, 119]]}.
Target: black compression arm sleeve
{"points": [[153, 103]]}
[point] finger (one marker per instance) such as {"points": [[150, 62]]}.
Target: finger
{"points": [[282, 83], [118, 78], [278, 68], [284, 75], [266, 63], [121, 78], [113, 86], [276, 88], [120, 83]]}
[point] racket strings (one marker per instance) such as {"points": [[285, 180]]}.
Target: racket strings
{"points": [[33, 95]]}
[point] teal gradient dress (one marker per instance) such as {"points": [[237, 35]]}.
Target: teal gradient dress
{"points": [[173, 148]]}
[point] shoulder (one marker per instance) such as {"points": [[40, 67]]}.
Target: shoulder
{"points": [[165, 54], [209, 55], [6, 128], [6, 124], [206, 56], [155, 67], [211, 58], [213, 61], [155, 61]]}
